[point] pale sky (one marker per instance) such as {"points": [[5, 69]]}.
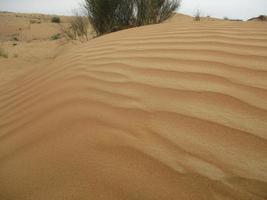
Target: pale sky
{"points": [[241, 9]]}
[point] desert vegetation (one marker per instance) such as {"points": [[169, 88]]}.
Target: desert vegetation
{"points": [[175, 110], [79, 27], [108, 16], [55, 36], [3, 53], [34, 21], [261, 18], [14, 37], [55, 19], [197, 16]]}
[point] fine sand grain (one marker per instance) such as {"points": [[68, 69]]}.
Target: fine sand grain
{"points": [[170, 111]]}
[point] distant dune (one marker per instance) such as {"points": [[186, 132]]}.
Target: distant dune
{"points": [[170, 111], [27, 40]]}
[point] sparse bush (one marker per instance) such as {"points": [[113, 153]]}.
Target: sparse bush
{"points": [[55, 19], [197, 16], [262, 18], [112, 15], [34, 21], [14, 38], [226, 18], [154, 11], [105, 16], [67, 32], [78, 29], [55, 37], [3, 53]]}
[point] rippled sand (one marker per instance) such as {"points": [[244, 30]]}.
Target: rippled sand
{"points": [[170, 111]]}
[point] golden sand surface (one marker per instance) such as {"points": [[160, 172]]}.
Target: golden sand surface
{"points": [[171, 111]]}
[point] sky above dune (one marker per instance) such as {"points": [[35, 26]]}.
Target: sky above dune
{"points": [[241, 9]]}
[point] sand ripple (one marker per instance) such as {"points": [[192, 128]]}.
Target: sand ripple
{"points": [[170, 111]]}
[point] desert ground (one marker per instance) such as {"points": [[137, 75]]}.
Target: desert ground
{"points": [[27, 40], [172, 111]]}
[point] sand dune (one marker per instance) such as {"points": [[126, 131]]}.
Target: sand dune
{"points": [[170, 111], [26, 41]]}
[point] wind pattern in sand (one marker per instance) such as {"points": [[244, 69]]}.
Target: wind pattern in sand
{"points": [[170, 111]]}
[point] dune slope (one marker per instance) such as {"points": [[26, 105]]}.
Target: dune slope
{"points": [[170, 111]]}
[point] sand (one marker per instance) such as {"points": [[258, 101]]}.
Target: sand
{"points": [[26, 39], [170, 111]]}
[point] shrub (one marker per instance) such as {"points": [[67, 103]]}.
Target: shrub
{"points": [[14, 38], [68, 33], [3, 53], [55, 19], [197, 16], [103, 15], [154, 11], [260, 18], [78, 29], [55, 37], [111, 15], [34, 21]]}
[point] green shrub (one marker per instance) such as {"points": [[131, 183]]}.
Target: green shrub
{"points": [[154, 11], [112, 15], [55, 37], [55, 19]]}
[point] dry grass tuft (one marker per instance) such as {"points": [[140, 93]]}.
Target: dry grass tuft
{"points": [[78, 29], [3, 53]]}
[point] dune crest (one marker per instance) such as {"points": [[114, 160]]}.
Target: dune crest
{"points": [[170, 111]]}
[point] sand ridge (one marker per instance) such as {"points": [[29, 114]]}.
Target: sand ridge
{"points": [[170, 111]]}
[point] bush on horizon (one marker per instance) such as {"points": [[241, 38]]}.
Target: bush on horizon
{"points": [[197, 16], [55, 19], [111, 15]]}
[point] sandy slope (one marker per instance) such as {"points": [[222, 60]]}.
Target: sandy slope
{"points": [[26, 40], [170, 111]]}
